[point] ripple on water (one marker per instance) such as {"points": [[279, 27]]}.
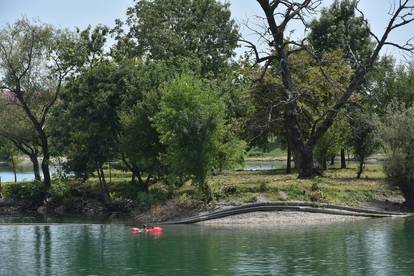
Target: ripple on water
{"points": [[371, 247]]}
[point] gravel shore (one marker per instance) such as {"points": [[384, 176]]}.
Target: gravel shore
{"points": [[280, 218]]}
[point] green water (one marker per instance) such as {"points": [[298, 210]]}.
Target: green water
{"points": [[369, 247]]}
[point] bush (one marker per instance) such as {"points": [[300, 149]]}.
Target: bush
{"points": [[185, 201], [398, 137], [144, 200], [59, 189], [32, 191], [223, 190]]}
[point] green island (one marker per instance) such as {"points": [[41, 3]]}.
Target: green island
{"points": [[207, 137]]}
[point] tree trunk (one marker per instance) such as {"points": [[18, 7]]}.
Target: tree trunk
{"points": [[324, 163], [106, 199], [289, 159], [333, 160], [360, 168], [343, 160], [304, 163], [47, 181], [36, 168], [110, 172], [14, 169], [408, 194]]}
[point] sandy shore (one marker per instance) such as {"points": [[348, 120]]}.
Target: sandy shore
{"points": [[281, 218]]}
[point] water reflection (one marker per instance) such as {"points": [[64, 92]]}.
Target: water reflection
{"points": [[373, 247], [23, 172]]}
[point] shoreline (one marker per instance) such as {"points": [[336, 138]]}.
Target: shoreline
{"points": [[281, 218]]}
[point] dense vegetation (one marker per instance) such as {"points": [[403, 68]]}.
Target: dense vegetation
{"points": [[170, 103]]}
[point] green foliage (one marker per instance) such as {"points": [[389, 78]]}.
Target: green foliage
{"points": [[333, 140], [191, 126], [186, 202], [398, 137], [201, 32], [9, 153], [59, 189], [340, 28], [364, 138], [86, 122], [390, 83], [31, 191], [316, 98], [157, 195]]}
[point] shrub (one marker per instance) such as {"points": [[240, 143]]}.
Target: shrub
{"points": [[144, 200], [32, 191], [59, 189], [398, 137], [185, 201]]}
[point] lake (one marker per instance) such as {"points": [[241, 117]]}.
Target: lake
{"points": [[367, 247], [25, 173]]}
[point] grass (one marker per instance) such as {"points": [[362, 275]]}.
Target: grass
{"points": [[336, 186]]}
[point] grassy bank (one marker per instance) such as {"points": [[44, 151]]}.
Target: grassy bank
{"points": [[337, 186]]}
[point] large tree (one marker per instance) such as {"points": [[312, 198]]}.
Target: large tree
{"points": [[278, 17], [191, 126], [200, 31], [341, 27], [33, 73], [87, 125]]}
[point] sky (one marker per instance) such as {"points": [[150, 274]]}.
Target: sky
{"points": [[81, 13]]}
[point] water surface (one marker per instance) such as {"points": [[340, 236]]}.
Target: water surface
{"points": [[369, 247]]}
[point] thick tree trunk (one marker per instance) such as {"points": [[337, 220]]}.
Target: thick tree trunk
{"points": [[343, 160], [303, 146], [304, 163], [289, 159], [36, 167], [47, 181]]}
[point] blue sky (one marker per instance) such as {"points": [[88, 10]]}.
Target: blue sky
{"points": [[81, 13]]}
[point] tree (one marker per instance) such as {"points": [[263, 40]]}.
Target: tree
{"points": [[398, 137], [87, 126], [390, 83], [329, 144], [315, 100], [18, 130], [33, 74], [278, 15], [9, 154], [191, 126], [363, 138], [339, 27], [139, 142], [200, 31]]}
